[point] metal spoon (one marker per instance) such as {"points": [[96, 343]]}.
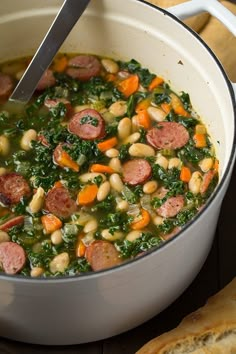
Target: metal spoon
{"points": [[65, 20]]}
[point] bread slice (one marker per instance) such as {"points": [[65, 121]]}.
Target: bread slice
{"points": [[209, 330]]}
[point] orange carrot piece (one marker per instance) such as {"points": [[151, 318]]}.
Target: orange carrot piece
{"points": [[185, 174], [200, 140], [80, 247], [87, 195], [140, 224], [51, 223], [111, 77], [180, 110], [143, 119], [129, 86], [96, 167], [178, 106], [216, 165], [60, 64], [58, 184], [144, 104], [107, 144], [64, 160], [155, 82], [166, 107]]}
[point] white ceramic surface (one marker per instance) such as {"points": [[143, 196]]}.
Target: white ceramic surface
{"points": [[103, 304]]}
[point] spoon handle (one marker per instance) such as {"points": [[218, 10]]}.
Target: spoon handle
{"points": [[65, 20]]}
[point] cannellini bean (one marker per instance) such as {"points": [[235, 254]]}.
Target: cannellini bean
{"points": [[36, 272], [37, 201], [56, 237], [141, 150], [174, 162], [110, 66], [59, 262], [117, 235], [157, 220], [132, 138], [103, 191], [195, 182], [206, 164], [82, 218], [135, 126], [28, 136], [89, 176], [156, 114], [116, 182], [162, 161], [4, 236], [81, 107], [115, 164], [200, 129], [124, 128], [118, 108], [133, 235], [3, 170], [150, 187], [112, 153], [4, 145], [90, 226], [122, 205]]}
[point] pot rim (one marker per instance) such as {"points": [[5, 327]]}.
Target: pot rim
{"points": [[223, 181]]}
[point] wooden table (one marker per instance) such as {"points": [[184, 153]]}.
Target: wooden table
{"points": [[218, 270]]}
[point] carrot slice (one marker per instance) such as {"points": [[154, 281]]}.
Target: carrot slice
{"points": [[129, 86], [144, 104], [200, 140], [87, 195], [166, 107], [58, 184], [185, 174], [110, 77], [143, 119], [107, 144], [64, 160], [96, 167], [51, 223], [155, 82], [80, 247], [216, 165], [140, 224], [60, 64]]}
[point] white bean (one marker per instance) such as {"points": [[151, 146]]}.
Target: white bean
{"points": [[116, 182], [36, 272], [141, 150], [133, 235], [195, 182], [4, 145], [157, 220], [26, 139], [59, 262], [150, 187], [56, 237], [118, 108], [89, 176], [115, 164], [162, 161], [133, 138], [112, 237], [90, 226], [123, 205], [110, 66], [3, 170], [37, 201], [156, 114], [174, 162], [4, 236], [103, 191], [124, 128], [206, 164], [112, 153], [135, 126]]}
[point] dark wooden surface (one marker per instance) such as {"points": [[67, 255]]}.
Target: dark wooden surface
{"points": [[218, 270]]}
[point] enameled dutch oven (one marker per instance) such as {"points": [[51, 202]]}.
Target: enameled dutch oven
{"points": [[95, 306]]}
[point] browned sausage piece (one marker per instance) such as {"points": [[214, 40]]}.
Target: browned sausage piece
{"points": [[102, 254], [6, 85], [87, 124], [47, 80], [168, 135], [52, 103], [12, 257], [206, 180], [171, 234], [136, 171], [13, 187], [59, 202], [12, 222], [171, 207], [83, 67]]}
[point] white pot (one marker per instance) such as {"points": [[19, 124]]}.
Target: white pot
{"points": [[91, 307]]}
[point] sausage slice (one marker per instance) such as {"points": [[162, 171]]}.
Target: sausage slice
{"points": [[6, 85], [12, 257], [59, 202], [83, 67], [136, 171], [12, 222], [102, 254], [13, 187], [171, 207], [87, 124], [52, 103], [168, 135], [47, 80]]}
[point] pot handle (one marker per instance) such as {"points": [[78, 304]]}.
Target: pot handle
{"points": [[214, 7]]}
